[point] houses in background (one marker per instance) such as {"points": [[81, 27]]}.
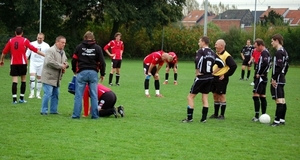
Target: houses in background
{"points": [[240, 18]]}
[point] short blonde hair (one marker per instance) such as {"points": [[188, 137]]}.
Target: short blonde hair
{"points": [[89, 36]]}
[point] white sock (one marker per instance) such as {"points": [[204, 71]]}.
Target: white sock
{"points": [[156, 91], [39, 87], [32, 84], [147, 91]]}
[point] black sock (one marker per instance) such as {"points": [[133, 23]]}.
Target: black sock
{"points": [[279, 110], [146, 84], [110, 78], [284, 111], [217, 107], [223, 108], [175, 76], [263, 102], [248, 74], [166, 76], [23, 89], [117, 78], [156, 84], [204, 113], [243, 74], [14, 91], [190, 112], [256, 106]]}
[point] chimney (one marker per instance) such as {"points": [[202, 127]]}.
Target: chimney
{"points": [[269, 7]]}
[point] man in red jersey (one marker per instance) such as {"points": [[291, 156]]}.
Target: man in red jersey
{"points": [[18, 66], [173, 65], [106, 102], [150, 68], [117, 48], [254, 58]]}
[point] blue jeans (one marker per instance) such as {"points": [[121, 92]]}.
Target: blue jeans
{"points": [[50, 93], [83, 78]]}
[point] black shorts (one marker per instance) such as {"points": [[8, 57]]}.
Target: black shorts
{"points": [[146, 68], [109, 99], [245, 62], [171, 65], [219, 86], [116, 63], [277, 92], [201, 85], [18, 69], [260, 85]]}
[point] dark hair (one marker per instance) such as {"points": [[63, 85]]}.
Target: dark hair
{"points": [[19, 31], [205, 39], [278, 37], [259, 42]]}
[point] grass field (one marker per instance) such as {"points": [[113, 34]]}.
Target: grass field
{"points": [[152, 127]]}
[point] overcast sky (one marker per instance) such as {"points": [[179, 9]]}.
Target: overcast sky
{"points": [[260, 4]]}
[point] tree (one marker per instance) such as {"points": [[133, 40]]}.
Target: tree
{"points": [[273, 18], [190, 5]]}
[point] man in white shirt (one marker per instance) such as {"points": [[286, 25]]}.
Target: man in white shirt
{"points": [[36, 65]]}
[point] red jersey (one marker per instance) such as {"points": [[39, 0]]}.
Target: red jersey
{"points": [[175, 59], [17, 46], [256, 56], [101, 90], [154, 58], [116, 48]]}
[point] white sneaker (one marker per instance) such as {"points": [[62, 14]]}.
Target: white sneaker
{"points": [[252, 83], [38, 97], [31, 96]]}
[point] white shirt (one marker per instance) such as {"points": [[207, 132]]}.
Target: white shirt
{"points": [[35, 58]]}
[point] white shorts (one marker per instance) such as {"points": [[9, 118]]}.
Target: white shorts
{"points": [[36, 68]]}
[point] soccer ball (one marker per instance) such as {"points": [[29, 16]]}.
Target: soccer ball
{"points": [[264, 118]]}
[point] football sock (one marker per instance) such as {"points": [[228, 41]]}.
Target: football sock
{"points": [[279, 110], [243, 74], [110, 78], [23, 89], [263, 104], [38, 86], [248, 74], [146, 84], [117, 78], [166, 76], [190, 112], [175, 76], [32, 84], [217, 107], [223, 108], [14, 91], [156, 84], [284, 111], [256, 106], [204, 113]]}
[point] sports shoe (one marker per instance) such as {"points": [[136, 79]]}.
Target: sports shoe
{"points": [[247, 79], [274, 124], [213, 116], [254, 119], [159, 95], [165, 82], [147, 95], [221, 117], [121, 111], [241, 79], [187, 120], [203, 121], [252, 84], [175, 83], [31, 96], [117, 84], [22, 101], [15, 102], [110, 84], [115, 112], [38, 97], [282, 123]]}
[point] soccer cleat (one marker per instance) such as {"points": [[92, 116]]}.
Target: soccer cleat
{"points": [[254, 119], [15, 102], [213, 116], [203, 121], [165, 82], [22, 101], [274, 124], [31, 96], [221, 117], [282, 123], [187, 120], [121, 111], [147, 95], [38, 97], [110, 84], [159, 95], [115, 112], [241, 79], [175, 83], [117, 84], [252, 84], [247, 79]]}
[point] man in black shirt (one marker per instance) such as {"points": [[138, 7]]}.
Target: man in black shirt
{"points": [[246, 54]]}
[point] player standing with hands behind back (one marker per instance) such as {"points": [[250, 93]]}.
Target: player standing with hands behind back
{"points": [[246, 54]]}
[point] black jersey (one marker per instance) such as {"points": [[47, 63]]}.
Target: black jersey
{"points": [[280, 65], [264, 63], [205, 59], [247, 51]]}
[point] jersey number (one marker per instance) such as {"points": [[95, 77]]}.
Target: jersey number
{"points": [[16, 46], [208, 66]]}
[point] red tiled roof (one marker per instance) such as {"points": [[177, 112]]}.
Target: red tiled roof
{"points": [[194, 16], [294, 15], [209, 19], [280, 11]]}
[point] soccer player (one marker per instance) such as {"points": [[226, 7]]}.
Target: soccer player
{"points": [[254, 58], [246, 55], [152, 64], [36, 65], [280, 68], [261, 79], [205, 59], [221, 79], [173, 65], [18, 65], [117, 48], [106, 102]]}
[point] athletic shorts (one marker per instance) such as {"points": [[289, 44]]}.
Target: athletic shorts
{"points": [[277, 92], [219, 86], [36, 68], [171, 65], [116, 63], [109, 99], [146, 68], [260, 85], [201, 85], [18, 69], [245, 62]]}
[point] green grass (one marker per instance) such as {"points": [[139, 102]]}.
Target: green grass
{"points": [[152, 127]]}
